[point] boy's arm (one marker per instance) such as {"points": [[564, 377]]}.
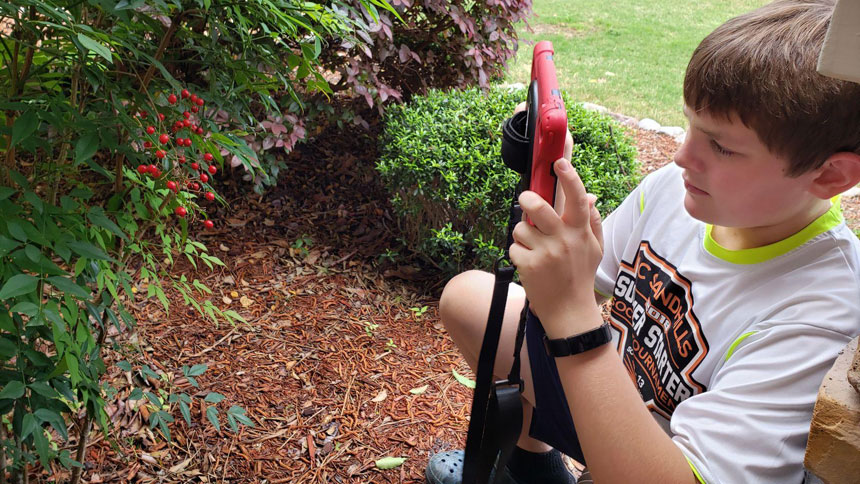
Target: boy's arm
{"points": [[557, 260]]}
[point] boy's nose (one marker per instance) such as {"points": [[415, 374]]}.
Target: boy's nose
{"points": [[685, 156]]}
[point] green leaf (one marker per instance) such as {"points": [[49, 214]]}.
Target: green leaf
{"points": [[239, 413], [69, 287], [25, 307], [88, 250], [53, 418], [212, 415], [43, 448], [18, 285], [98, 217], [14, 389], [86, 147], [29, 425], [463, 380], [213, 398], [7, 349], [32, 253], [124, 365], [6, 192], [24, 126], [196, 370], [390, 462], [96, 47], [44, 389], [185, 411]]}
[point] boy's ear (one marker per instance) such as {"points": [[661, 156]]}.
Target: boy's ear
{"points": [[839, 173]]}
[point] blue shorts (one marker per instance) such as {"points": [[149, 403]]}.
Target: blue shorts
{"points": [[551, 420]]}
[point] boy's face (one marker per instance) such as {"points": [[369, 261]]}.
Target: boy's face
{"points": [[733, 180]]}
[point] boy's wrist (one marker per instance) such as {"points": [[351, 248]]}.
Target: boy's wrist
{"points": [[572, 320]]}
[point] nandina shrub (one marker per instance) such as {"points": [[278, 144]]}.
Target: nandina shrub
{"points": [[441, 161]]}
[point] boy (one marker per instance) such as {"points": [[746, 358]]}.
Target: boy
{"points": [[734, 279]]}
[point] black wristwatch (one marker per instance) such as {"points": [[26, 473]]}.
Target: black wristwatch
{"points": [[578, 343]]}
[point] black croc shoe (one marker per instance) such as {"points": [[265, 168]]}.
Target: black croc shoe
{"points": [[447, 468]]}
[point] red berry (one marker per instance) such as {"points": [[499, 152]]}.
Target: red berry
{"points": [[159, 154], [200, 101], [182, 158], [186, 114], [185, 93], [188, 142], [147, 144], [204, 177], [199, 131], [195, 166], [144, 114], [193, 98], [171, 99], [186, 123], [207, 156], [194, 109], [152, 169], [180, 211], [157, 173], [210, 196], [150, 130], [212, 169], [195, 186], [208, 224], [171, 185], [160, 117], [180, 141], [142, 169], [163, 139]]}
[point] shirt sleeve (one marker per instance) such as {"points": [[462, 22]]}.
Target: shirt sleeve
{"points": [[752, 423]]}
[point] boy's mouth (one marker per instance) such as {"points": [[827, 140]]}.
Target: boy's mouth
{"points": [[694, 189]]}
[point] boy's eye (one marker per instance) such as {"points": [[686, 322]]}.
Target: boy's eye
{"points": [[719, 149]]}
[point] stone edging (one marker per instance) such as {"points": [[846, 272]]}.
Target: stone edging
{"points": [[676, 132]]}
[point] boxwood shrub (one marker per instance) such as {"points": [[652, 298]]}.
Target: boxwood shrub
{"points": [[440, 160]]}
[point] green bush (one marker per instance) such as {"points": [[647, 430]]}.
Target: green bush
{"points": [[441, 162]]}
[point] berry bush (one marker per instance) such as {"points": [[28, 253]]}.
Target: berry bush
{"points": [[110, 148], [118, 119], [440, 158]]}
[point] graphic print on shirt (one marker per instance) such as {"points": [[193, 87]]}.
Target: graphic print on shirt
{"points": [[661, 340]]}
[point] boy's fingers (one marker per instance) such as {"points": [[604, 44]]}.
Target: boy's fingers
{"points": [[595, 220], [576, 209], [540, 212], [520, 107], [568, 145], [525, 234]]}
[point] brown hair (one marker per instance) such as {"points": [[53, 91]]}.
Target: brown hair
{"points": [[761, 67]]}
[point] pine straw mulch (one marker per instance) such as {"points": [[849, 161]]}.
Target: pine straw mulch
{"points": [[340, 363]]}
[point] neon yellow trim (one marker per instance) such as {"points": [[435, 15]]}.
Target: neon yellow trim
{"points": [[598, 291], [641, 202], [695, 471], [829, 220], [737, 342]]}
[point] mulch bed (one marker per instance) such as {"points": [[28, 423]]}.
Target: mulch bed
{"points": [[343, 361]]}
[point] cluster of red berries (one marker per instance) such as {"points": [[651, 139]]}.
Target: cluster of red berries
{"points": [[164, 150]]}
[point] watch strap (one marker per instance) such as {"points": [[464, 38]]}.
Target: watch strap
{"points": [[578, 343]]}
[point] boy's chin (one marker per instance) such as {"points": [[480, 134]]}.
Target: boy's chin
{"points": [[695, 209]]}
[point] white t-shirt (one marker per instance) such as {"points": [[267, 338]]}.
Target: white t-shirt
{"points": [[728, 348]]}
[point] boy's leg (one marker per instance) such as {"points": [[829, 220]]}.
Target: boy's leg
{"points": [[463, 308]]}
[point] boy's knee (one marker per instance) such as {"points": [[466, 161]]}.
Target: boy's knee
{"points": [[462, 293]]}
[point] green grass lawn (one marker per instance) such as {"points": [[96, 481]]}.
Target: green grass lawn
{"points": [[627, 55]]}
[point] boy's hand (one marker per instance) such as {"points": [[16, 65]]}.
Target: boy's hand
{"points": [[557, 258]]}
